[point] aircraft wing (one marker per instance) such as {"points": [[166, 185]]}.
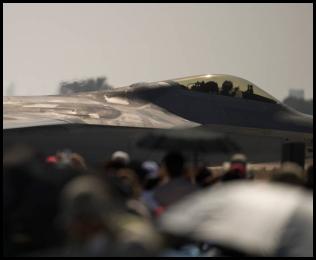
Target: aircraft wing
{"points": [[86, 109], [18, 122]]}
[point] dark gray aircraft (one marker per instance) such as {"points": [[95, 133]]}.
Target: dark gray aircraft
{"points": [[97, 123]]}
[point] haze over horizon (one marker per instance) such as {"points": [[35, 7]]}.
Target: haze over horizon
{"points": [[268, 44]]}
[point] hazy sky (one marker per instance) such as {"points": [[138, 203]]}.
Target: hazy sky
{"points": [[268, 44]]}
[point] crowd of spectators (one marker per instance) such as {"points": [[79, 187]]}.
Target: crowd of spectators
{"points": [[61, 206]]}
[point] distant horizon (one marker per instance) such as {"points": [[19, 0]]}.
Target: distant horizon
{"points": [[270, 45]]}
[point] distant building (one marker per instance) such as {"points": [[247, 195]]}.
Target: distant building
{"points": [[296, 93], [296, 100]]}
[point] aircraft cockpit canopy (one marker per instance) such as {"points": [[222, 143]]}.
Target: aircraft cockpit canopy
{"points": [[225, 85]]}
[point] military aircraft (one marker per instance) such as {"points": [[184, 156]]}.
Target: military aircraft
{"points": [[97, 123]]}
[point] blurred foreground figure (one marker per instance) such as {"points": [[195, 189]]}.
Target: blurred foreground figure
{"points": [[310, 178], [150, 180], [119, 160], [120, 156], [97, 224], [204, 177], [246, 219], [31, 190], [290, 173], [239, 161], [177, 185], [237, 169], [67, 159]]}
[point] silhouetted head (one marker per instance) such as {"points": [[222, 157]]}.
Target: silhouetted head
{"points": [[151, 178], [239, 162], [85, 205], [250, 88], [174, 163], [212, 86], [227, 86], [119, 160]]}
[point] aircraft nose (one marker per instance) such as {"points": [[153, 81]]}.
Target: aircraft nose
{"points": [[298, 121]]}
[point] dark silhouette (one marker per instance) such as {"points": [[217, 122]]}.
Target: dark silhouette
{"points": [[31, 191], [237, 92], [204, 177], [200, 86], [249, 92], [227, 88], [212, 86], [310, 178], [233, 175], [174, 163], [178, 185]]}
